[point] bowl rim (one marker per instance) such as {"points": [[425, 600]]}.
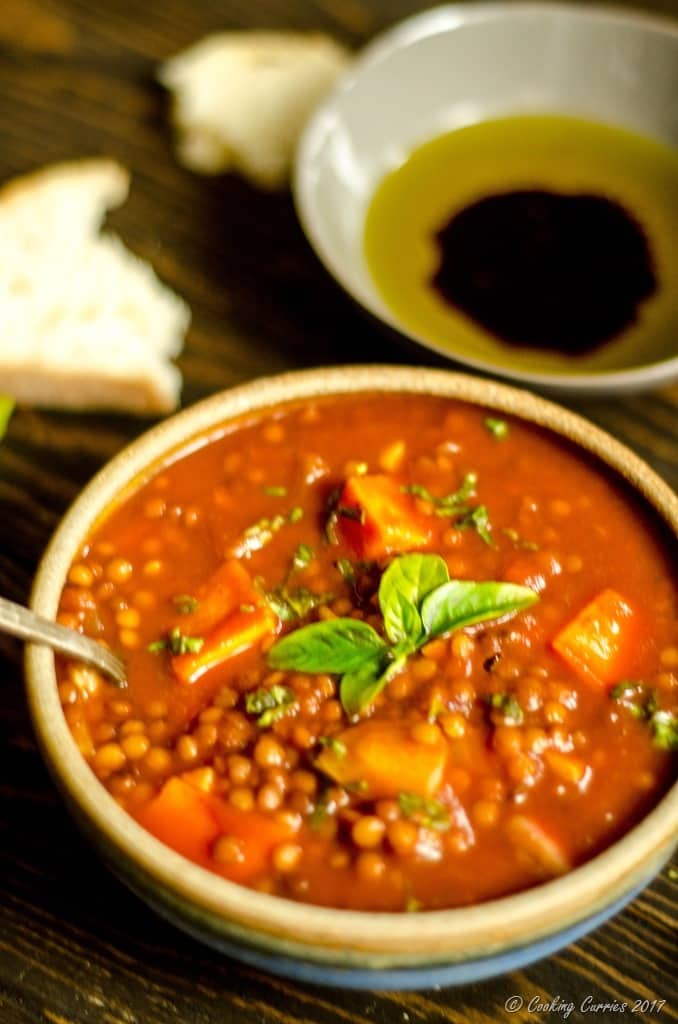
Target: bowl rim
{"points": [[444, 18], [321, 933]]}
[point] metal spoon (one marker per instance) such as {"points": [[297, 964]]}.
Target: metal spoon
{"points": [[25, 624]]}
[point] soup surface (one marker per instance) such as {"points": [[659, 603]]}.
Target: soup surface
{"points": [[385, 652], [541, 242]]}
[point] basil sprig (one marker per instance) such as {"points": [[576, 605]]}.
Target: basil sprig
{"points": [[418, 602]]}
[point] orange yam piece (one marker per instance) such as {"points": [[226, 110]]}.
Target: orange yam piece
{"points": [[190, 820], [389, 522], [237, 634], [219, 619], [385, 760], [601, 641], [182, 818]]}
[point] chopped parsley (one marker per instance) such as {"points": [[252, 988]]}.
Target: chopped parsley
{"points": [[517, 540], [456, 507], [336, 746], [176, 643], [295, 603], [185, 604], [425, 811], [508, 706], [270, 704], [642, 704], [302, 556], [275, 491], [498, 428]]}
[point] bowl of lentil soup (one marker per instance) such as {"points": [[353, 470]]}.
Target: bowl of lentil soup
{"points": [[382, 654]]}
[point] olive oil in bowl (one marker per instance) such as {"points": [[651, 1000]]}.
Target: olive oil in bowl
{"points": [[540, 243]]}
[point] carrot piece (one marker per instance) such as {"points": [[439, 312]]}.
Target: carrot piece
{"points": [[189, 820], [236, 634], [220, 620], [182, 818], [384, 760], [386, 520], [224, 592], [538, 844], [257, 834], [600, 642]]}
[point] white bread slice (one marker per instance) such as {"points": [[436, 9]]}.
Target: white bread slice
{"points": [[84, 323], [241, 99]]}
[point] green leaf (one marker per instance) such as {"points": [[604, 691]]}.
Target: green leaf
{"points": [[270, 704], [403, 587], [185, 604], [6, 410], [177, 643], [361, 688], [290, 604], [337, 746], [275, 491], [338, 645], [462, 603]]}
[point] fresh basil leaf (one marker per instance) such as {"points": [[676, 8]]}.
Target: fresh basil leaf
{"points": [[6, 410], [359, 689], [403, 587], [289, 604], [338, 645], [425, 811], [462, 603]]}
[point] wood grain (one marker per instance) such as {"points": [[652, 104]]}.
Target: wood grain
{"points": [[76, 78]]}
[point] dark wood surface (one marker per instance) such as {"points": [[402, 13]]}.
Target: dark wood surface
{"points": [[76, 78]]}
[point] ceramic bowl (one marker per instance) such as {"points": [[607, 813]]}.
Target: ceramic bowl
{"points": [[459, 65], [339, 947]]}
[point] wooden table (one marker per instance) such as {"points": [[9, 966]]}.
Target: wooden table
{"points": [[76, 78]]}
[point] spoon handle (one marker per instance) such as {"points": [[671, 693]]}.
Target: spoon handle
{"points": [[25, 624]]}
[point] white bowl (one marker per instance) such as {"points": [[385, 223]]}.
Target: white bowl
{"points": [[457, 65]]}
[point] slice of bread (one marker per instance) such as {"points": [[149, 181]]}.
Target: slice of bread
{"points": [[241, 99], [84, 323]]}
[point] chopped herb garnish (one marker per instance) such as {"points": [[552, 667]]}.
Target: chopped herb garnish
{"points": [[456, 507], [346, 570], [176, 643], [338, 747], [185, 604], [663, 724], [6, 410], [270, 704], [418, 602], [259, 534], [498, 428], [289, 604], [319, 814], [302, 556], [478, 520], [436, 708], [508, 706], [275, 491], [424, 811], [517, 541]]}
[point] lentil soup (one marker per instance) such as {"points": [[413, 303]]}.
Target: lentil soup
{"points": [[385, 652]]}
